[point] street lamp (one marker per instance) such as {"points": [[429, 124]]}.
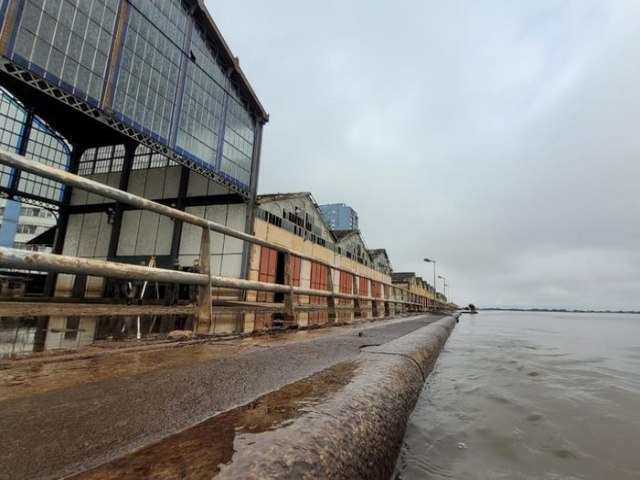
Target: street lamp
{"points": [[444, 280], [446, 285], [435, 290]]}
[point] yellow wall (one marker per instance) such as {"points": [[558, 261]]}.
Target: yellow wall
{"points": [[287, 239]]}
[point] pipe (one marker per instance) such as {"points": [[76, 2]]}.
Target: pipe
{"points": [[49, 262], [37, 168]]}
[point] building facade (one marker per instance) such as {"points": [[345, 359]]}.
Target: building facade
{"points": [[148, 98], [294, 221], [32, 221], [340, 216]]}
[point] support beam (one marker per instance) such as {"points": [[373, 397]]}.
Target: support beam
{"points": [[290, 313], [116, 227], [387, 293], [331, 300], [180, 205], [23, 143], [205, 317], [357, 311], [374, 303], [63, 220]]}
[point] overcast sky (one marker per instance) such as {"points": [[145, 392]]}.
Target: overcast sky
{"points": [[501, 138]]}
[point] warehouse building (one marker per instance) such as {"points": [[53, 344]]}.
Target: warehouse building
{"points": [[148, 98]]}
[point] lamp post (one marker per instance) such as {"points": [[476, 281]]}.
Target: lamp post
{"points": [[435, 290], [444, 284]]}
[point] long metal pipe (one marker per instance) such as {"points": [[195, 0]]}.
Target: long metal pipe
{"points": [[49, 262], [37, 168]]}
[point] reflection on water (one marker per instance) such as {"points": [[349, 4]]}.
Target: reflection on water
{"points": [[535, 396]]}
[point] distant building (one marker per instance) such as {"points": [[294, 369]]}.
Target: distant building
{"points": [[381, 261], [31, 222], [340, 216], [295, 221]]}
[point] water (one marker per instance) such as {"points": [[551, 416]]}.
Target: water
{"points": [[530, 396]]}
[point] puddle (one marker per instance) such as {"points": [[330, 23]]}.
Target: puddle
{"points": [[200, 451], [21, 380]]}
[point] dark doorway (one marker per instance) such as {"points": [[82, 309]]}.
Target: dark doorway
{"points": [[279, 296]]}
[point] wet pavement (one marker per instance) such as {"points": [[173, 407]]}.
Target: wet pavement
{"points": [[202, 450], [61, 418]]}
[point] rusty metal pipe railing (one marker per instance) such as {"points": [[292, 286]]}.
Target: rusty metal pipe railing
{"points": [[49, 262], [31, 166]]}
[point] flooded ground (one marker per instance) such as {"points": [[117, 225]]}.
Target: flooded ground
{"points": [[200, 451], [83, 413], [530, 396], [21, 378]]}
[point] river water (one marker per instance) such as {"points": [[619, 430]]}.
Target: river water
{"points": [[530, 396]]}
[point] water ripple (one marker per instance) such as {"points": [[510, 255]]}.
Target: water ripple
{"points": [[530, 396]]}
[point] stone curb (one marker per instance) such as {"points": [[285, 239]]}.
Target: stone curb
{"points": [[356, 433]]}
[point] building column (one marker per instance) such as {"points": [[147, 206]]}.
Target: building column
{"points": [[180, 205], [63, 218], [116, 226]]}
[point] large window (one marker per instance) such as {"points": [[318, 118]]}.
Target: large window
{"points": [[12, 122], [202, 105], [170, 82], [150, 65], [238, 143], [69, 40], [42, 144], [102, 160]]}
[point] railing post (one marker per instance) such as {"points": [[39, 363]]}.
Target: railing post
{"points": [[204, 315], [387, 294], [290, 312], [357, 311], [374, 303], [331, 301]]}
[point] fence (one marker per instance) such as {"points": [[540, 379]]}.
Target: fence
{"points": [[391, 295]]}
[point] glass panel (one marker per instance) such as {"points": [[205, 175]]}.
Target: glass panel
{"points": [[238, 143], [59, 36], [149, 70]]}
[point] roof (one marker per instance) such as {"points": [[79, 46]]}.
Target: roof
{"points": [[201, 13], [399, 277], [376, 252], [344, 234], [274, 197]]}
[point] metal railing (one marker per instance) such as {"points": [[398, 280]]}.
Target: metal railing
{"points": [[45, 262]]}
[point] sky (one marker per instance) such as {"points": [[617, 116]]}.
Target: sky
{"points": [[500, 138]]}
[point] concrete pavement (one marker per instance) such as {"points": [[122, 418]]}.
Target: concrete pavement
{"points": [[61, 431]]}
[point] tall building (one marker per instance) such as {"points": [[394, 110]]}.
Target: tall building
{"points": [[31, 222], [340, 216]]}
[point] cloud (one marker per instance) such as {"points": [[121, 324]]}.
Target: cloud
{"points": [[498, 137]]}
